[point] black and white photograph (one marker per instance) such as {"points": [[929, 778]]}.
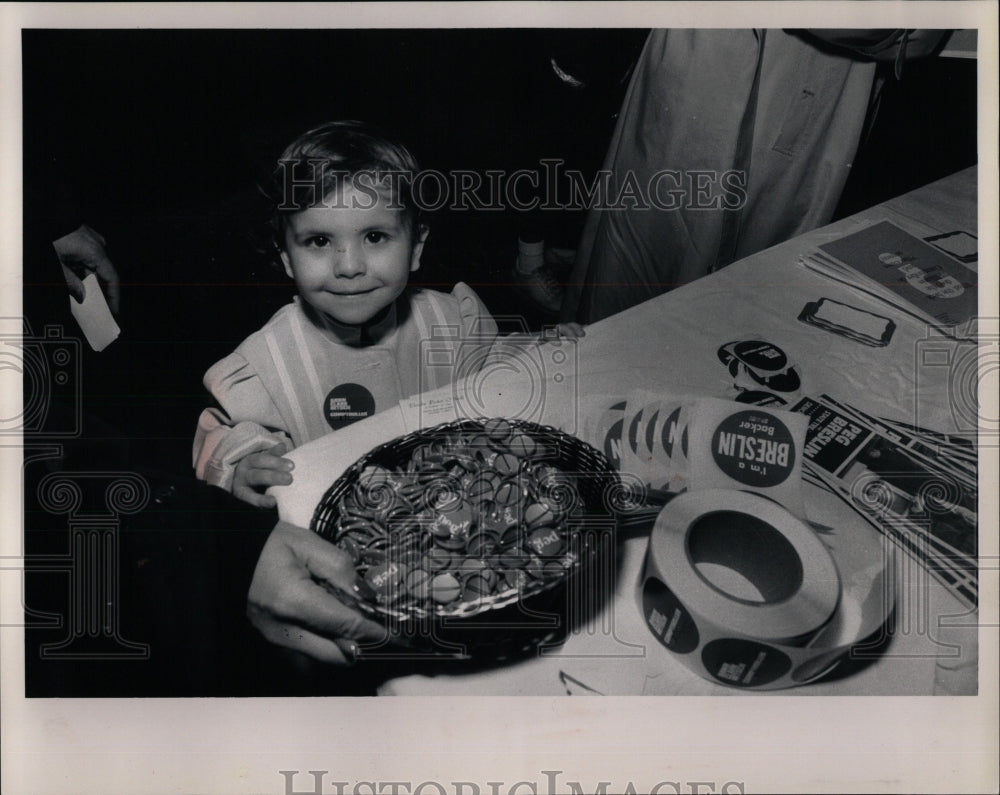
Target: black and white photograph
{"points": [[376, 376]]}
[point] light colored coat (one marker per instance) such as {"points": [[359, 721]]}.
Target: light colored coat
{"points": [[774, 110]]}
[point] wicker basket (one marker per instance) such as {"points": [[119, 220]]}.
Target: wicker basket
{"points": [[515, 620]]}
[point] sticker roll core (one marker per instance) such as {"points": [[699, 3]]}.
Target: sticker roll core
{"points": [[739, 589]]}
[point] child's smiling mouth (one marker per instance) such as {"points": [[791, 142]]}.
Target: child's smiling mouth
{"points": [[351, 293]]}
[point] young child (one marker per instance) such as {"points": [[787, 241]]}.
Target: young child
{"points": [[350, 345], [354, 341]]}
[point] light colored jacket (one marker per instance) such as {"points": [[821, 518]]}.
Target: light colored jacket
{"points": [[777, 113]]}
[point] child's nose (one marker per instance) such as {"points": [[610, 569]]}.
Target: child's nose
{"points": [[348, 261]]}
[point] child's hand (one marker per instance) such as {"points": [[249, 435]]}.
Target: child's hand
{"points": [[258, 471]]}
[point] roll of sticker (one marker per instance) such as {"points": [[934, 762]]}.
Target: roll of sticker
{"points": [[741, 591]]}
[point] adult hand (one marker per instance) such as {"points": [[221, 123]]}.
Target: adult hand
{"points": [[83, 251], [290, 606], [258, 471], [571, 330]]}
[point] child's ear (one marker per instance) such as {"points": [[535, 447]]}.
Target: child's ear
{"points": [[286, 262], [419, 238]]}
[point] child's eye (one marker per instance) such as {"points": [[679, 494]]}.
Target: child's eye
{"points": [[318, 241], [376, 237]]}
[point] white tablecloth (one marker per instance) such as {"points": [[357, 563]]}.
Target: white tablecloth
{"points": [[670, 344]]}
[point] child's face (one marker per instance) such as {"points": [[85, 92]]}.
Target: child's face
{"points": [[351, 258]]}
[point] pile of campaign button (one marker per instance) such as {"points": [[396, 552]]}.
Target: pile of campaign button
{"points": [[468, 517], [764, 364]]}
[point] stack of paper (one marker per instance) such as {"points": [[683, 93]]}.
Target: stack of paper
{"points": [[916, 486], [891, 265]]}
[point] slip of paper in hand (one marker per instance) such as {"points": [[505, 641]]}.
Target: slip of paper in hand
{"points": [[92, 314]]}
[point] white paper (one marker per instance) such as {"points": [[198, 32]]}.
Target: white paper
{"points": [[93, 315], [320, 462]]}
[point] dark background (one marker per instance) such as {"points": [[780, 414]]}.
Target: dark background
{"points": [[160, 137]]}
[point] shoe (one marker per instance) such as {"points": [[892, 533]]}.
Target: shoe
{"points": [[541, 286]]}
